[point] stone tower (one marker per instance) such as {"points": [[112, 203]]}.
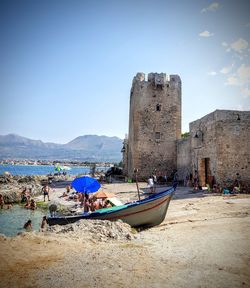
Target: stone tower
{"points": [[154, 125]]}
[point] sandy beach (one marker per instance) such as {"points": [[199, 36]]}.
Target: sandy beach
{"points": [[203, 242]]}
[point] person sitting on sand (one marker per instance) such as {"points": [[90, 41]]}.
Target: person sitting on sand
{"points": [[79, 197], [91, 201], [28, 225], [68, 188], [236, 187], [44, 224], [63, 195], [106, 204], [1, 201], [86, 202], [46, 191], [32, 204], [94, 204]]}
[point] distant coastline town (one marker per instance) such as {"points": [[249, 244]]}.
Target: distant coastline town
{"points": [[55, 162]]}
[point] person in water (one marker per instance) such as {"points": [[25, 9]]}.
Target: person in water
{"points": [[1, 201], [28, 225], [44, 224], [32, 204], [27, 205]]}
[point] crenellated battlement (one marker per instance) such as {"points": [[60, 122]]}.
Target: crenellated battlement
{"points": [[157, 79]]}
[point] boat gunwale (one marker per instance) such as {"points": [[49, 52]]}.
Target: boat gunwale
{"points": [[97, 213]]}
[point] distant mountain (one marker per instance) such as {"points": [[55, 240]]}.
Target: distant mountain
{"points": [[83, 148]]}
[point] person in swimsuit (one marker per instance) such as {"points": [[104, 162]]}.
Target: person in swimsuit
{"points": [[1, 201], [45, 191], [32, 204], [28, 225], [44, 224]]}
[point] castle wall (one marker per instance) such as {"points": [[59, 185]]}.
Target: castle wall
{"points": [[220, 146], [233, 145], [154, 124], [184, 166]]}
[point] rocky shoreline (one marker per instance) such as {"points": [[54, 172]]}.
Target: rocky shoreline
{"points": [[12, 186]]}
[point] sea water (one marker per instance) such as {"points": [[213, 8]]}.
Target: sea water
{"points": [[43, 169], [13, 219]]}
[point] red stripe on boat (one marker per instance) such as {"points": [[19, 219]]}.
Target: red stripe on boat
{"points": [[121, 216]]}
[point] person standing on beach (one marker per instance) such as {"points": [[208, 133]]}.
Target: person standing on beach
{"points": [[151, 184], [196, 181], [46, 191]]}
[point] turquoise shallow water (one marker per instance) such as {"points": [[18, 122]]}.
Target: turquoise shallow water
{"points": [[43, 169], [12, 220]]}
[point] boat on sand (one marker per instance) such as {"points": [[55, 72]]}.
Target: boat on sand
{"points": [[145, 213]]}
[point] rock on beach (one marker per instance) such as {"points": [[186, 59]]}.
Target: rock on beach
{"points": [[95, 230], [12, 186]]}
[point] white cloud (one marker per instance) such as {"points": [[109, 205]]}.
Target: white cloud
{"points": [[224, 44], [226, 70], [206, 34], [244, 74], [245, 92], [232, 81], [212, 73], [239, 45], [241, 77], [212, 7]]}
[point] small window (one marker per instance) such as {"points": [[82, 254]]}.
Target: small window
{"points": [[158, 107], [157, 135]]}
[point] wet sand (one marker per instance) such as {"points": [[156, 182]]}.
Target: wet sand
{"points": [[203, 242]]}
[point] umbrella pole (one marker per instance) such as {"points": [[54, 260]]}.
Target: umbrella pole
{"points": [[137, 186], [84, 201]]}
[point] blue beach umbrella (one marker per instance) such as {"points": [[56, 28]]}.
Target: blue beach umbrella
{"points": [[86, 184]]}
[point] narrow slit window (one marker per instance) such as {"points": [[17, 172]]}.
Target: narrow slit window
{"points": [[158, 107], [157, 135]]}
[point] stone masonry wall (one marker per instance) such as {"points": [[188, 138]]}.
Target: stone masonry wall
{"points": [[220, 146], [233, 146], [154, 124], [203, 146], [184, 166]]}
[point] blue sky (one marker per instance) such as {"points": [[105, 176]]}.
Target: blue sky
{"points": [[66, 67]]}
